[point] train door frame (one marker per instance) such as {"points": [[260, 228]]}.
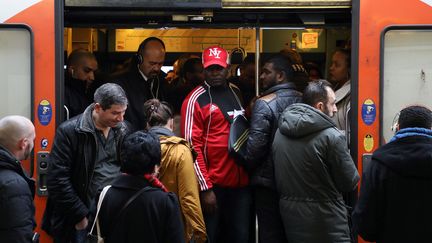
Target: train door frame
{"points": [[371, 18], [32, 96], [382, 65]]}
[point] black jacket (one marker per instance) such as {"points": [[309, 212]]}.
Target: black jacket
{"points": [[71, 166], [395, 197], [16, 201], [138, 91], [153, 217], [264, 122], [76, 97]]}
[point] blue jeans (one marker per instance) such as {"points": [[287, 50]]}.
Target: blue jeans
{"points": [[80, 236], [231, 222]]}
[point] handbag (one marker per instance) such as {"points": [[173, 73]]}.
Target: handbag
{"points": [[97, 238], [238, 136]]}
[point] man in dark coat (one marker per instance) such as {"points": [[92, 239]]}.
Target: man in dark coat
{"points": [[154, 216], [82, 161], [81, 68], [143, 80], [276, 78], [395, 196], [312, 168], [17, 210]]}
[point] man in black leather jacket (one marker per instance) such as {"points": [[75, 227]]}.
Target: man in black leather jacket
{"points": [[83, 160], [276, 78]]}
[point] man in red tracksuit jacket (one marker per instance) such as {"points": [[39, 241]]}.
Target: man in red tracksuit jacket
{"points": [[206, 115]]}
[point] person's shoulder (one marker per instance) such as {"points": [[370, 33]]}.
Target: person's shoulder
{"points": [[195, 93], [70, 125], [11, 181], [159, 195], [124, 77], [268, 98]]}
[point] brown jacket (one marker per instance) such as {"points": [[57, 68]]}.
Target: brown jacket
{"points": [[177, 174]]}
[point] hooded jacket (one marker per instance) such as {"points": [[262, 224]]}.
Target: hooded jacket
{"points": [[395, 197], [16, 201], [177, 173], [312, 168]]}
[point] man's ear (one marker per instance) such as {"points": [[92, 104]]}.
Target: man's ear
{"points": [[280, 76], [22, 143], [319, 106], [97, 107], [71, 70], [397, 127]]}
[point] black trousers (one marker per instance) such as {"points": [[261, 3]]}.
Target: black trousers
{"points": [[270, 226]]}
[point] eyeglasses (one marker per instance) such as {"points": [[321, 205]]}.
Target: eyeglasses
{"points": [[395, 122]]}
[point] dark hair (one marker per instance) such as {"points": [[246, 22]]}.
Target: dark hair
{"points": [[415, 116], [77, 55], [282, 64], [157, 112], [309, 66], [139, 153], [293, 56], [249, 59], [189, 66], [110, 94], [300, 77], [144, 43], [315, 92]]}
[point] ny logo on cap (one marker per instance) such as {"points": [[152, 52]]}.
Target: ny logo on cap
{"points": [[215, 52]]}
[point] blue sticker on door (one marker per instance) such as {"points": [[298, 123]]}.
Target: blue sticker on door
{"points": [[44, 112], [368, 112]]}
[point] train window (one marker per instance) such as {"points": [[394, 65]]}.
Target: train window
{"points": [[15, 70], [407, 68]]}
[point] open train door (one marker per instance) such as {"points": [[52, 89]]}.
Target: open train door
{"points": [[30, 47], [392, 67]]}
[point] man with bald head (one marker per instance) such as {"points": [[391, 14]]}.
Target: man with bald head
{"points": [[143, 80], [17, 210]]}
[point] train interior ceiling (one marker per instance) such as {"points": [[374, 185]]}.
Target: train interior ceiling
{"points": [[114, 35]]}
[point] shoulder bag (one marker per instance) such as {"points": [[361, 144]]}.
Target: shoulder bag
{"points": [[98, 237], [238, 136]]}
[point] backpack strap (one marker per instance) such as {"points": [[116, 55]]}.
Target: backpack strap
{"points": [[101, 198], [123, 209]]}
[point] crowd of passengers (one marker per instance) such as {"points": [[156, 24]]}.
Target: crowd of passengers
{"points": [[143, 157]]}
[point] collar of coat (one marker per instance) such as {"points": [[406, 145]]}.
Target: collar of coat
{"points": [[343, 92], [9, 162], [86, 123], [287, 85], [130, 182], [412, 131]]}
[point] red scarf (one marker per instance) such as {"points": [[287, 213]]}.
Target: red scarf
{"points": [[155, 182]]}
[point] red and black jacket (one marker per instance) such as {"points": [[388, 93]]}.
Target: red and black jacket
{"points": [[206, 115]]}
